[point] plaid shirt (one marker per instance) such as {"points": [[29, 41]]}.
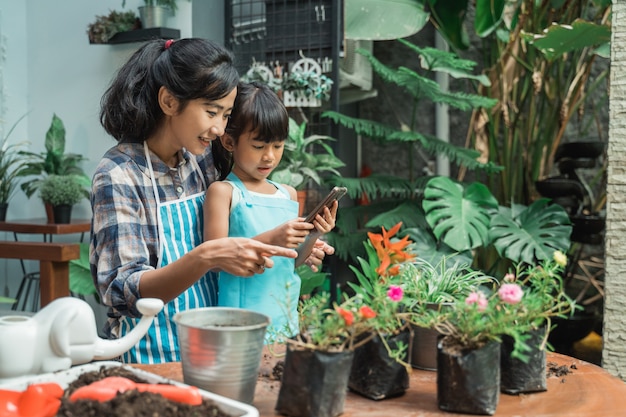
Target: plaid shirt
{"points": [[124, 235]]}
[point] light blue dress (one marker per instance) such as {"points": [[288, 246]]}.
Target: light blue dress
{"points": [[276, 291]]}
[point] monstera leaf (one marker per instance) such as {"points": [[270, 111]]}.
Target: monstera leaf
{"points": [[459, 215], [468, 216], [531, 234]]}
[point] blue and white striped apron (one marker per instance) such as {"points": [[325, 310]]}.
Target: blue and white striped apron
{"points": [[180, 230]]}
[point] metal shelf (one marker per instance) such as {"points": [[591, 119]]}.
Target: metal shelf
{"points": [[140, 35]]}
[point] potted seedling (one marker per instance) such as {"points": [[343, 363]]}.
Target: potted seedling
{"points": [[62, 192], [54, 161]]}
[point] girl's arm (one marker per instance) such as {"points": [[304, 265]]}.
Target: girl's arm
{"points": [[217, 210]]}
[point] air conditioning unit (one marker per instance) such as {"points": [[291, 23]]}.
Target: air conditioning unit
{"points": [[354, 69]]}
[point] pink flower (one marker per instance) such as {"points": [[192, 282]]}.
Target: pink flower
{"points": [[509, 277], [510, 293], [477, 298], [395, 293]]}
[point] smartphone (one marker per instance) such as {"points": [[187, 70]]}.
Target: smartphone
{"points": [[335, 194]]}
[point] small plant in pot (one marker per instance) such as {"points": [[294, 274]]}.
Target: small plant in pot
{"points": [[54, 161], [435, 286], [62, 192], [107, 26], [319, 358]]}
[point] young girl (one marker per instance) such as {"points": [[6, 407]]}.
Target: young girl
{"points": [[166, 105], [247, 204]]}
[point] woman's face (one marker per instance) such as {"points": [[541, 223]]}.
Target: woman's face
{"points": [[201, 122]]}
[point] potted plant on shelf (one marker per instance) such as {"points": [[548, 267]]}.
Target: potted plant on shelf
{"points": [[154, 13], [305, 159], [10, 165], [54, 161], [107, 26], [62, 192]]}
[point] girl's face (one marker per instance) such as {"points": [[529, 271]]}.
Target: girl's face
{"points": [[201, 122], [254, 159]]}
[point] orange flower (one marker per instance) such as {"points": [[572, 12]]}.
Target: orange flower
{"points": [[390, 253], [347, 316], [367, 313]]}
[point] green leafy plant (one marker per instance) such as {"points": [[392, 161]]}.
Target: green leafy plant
{"points": [[53, 161], [542, 64], [307, 84], [59, 190], [467, 219], [333, 328], [10, 165], [170, 4], [393, 199], [523, 300], [310, 281], [81, 281], [305, 158], [446, 281], [106, 26]]}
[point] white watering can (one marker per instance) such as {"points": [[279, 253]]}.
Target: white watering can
{"points": [[63, 334]]}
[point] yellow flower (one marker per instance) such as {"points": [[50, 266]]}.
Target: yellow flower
{"points": [[560, 258]]}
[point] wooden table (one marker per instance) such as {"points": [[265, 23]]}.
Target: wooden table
{"points": [[42, 227], [53, 258], [587, 390]]}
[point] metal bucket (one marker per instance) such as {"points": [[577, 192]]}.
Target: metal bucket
{"points": [[221, 349]]}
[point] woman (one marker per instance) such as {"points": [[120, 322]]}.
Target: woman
{"points": [[165, 106]]}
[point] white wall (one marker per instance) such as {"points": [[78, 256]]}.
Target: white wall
{"points": [[51, 68]]}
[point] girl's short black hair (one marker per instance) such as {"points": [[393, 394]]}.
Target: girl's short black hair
{"points": [[189, 68], [257, 109]]}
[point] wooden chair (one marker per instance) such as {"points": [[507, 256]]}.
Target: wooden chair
{"points": [[53, 260]]}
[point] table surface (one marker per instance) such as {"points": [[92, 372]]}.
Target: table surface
{"points": [[41, 226], [587, 390]]}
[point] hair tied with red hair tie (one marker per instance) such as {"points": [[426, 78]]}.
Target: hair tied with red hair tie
{"points": [[168, 43]]}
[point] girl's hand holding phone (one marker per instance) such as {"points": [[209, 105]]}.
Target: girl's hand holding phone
{"points": [[325, 222]]}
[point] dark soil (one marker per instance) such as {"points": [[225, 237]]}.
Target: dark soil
{"points": [[130, 403], [559, 371]]}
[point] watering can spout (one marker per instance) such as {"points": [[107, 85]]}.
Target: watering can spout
{"points": [[108, 349]]}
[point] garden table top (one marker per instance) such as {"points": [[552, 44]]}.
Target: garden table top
{"points": [[585, 390]]}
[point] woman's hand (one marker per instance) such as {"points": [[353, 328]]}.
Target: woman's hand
{"points": [[243, 257]]}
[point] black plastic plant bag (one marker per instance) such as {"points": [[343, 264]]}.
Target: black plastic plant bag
{"points": [[468, 381], [314, 383], [374, 374], [518, 377]]}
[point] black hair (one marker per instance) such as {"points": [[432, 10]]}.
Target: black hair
{"points": [[189, 68], [257, 109]]}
